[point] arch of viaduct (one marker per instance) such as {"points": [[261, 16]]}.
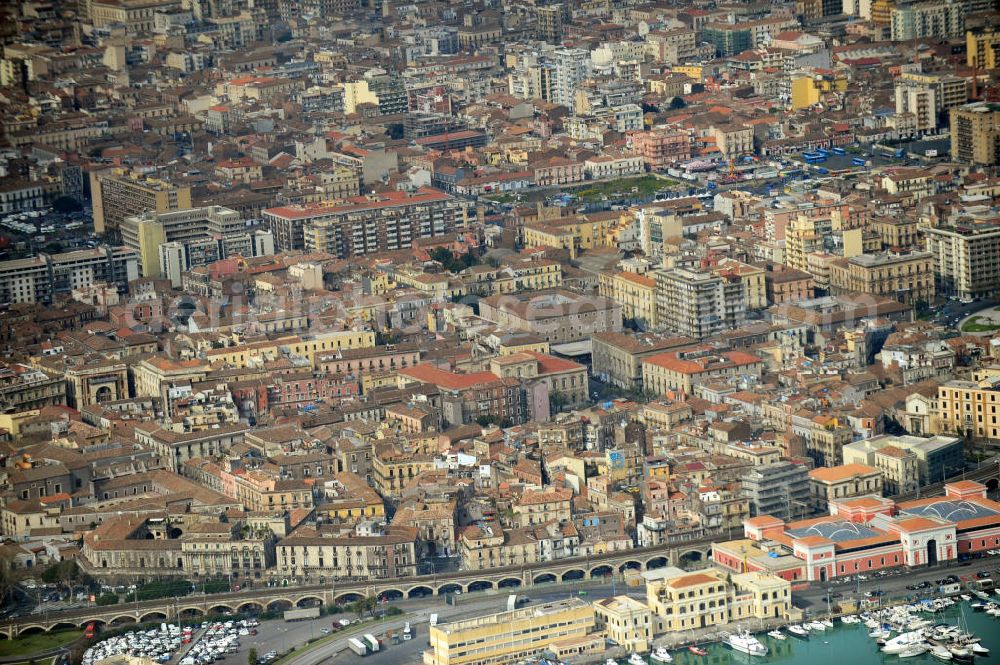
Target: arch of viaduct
{"points": [[340, 592]]}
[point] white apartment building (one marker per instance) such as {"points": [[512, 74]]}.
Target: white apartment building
{"points": [[40, 278]]}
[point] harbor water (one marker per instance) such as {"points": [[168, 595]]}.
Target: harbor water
{"points": [[848, 644]]}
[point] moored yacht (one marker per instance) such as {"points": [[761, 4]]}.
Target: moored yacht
{"points": [[747, 643]]}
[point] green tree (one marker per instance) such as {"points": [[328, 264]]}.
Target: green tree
{"points": [[677, 103], [486, 420], [106, 599], [363, 605], [557, 401], [442, 255], [252, 656]]}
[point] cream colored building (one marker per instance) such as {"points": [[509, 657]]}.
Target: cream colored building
{"points": [[908, 277], [626, 621], [683, 600], [843, 481], [965, 258], [635, 293], [508, 637]]}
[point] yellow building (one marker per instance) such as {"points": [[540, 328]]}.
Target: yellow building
{"points": [[357, 93], [626, 621], [759, 595], [809, 89], [752, 278], [982, 47], [575, 233], [248, 354], [970, 406], [118, 194], [682, 600], [635, 293], [686, 601], [691, 71], [975, 133], [508, 637]]}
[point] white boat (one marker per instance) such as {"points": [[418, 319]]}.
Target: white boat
{"points": [[777, 634], [978, 649], [661, 655], [966, 597], [960, 652], [940, 652], [636, 659], [611, 661], [746, 643], [817, 625], [900, 642], [879, 634], [798, 631], [911, 650], [849, 619]]}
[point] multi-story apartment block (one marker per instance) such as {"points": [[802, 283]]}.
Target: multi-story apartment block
{"points": [[982, 47], [966, 258], [42, 277], [549, 20], [661, 147], [948, 91], [137, 16], [919, 100], [938, 18], [570, 72], [363, 225], [975, 133], [636, 294], [204, 235], [699, 304], [908, 278], [780, 490], [176, 448], [118, 194], [970, 407]]}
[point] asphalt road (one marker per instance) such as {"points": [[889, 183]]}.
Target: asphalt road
{"points": [[893, 587], [279, 636]]}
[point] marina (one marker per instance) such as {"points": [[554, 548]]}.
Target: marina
{"points": [[932, 631]]}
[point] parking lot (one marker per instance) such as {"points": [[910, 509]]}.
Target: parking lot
{"points": [[173, 643]]}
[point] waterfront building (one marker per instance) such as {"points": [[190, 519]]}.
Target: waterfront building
{"points": [[508, 637]]}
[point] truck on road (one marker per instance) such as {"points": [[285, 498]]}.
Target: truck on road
{"points": [[301, 614], [372, 643], [357, 646]]}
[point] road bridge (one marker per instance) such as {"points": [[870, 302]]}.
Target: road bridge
{"points": [[338, 592]]}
